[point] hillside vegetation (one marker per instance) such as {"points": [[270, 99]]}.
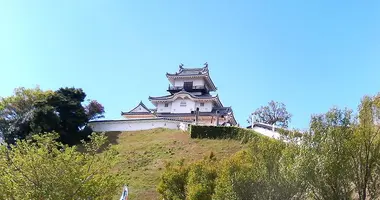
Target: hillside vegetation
{"points": [[145, 153]]}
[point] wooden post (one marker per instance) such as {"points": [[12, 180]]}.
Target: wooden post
{"points": [[217, 118], [196, 116], [251, 121]]}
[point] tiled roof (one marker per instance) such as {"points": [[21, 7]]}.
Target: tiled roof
{"points": [[222, 111], [205, 96], [137, 113], [190, 71], [185, 72]]}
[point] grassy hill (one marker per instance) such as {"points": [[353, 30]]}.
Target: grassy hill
{"points": [[144, 154]]}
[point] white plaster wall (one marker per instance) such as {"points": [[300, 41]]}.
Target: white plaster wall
{"points": [[196, 82], [136, 125], [162, 109], [206, 108], [176, 106], [266, 132]]}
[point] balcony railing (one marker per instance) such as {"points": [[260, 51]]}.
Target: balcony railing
{"points": [[194, 87]]}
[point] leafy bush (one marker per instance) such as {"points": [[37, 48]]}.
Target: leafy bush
{"points": [[193, 182], [264, 171], [41, 168], [201, 180], [173, 181]]}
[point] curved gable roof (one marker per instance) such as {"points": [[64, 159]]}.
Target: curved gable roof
{"points": [[191, 96], [139, 109]]}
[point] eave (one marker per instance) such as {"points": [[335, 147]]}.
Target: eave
{"points": [[206, 76], [175, 96]]}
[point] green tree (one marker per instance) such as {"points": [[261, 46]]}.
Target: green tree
{"points": [[265, 171], [325, 153], [67, 103], [32, 111], [16, 112], [365, 155], [41, 168]]}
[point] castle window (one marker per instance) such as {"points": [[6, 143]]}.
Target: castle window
{"points": [[202, 104], [166, 105], [183, 104]]}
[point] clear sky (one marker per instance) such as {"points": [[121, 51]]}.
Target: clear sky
{"points": [[311, 55]]}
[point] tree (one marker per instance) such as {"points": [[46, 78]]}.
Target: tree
{"points": [[274, 113], [67, 102], [265, 171], [32, 111], [94, 110], [16, 112], [341, 153], [41, 168], [365, 155], [325, 155]]}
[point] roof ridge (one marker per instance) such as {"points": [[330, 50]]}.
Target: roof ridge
{"points": [[140, 104]]}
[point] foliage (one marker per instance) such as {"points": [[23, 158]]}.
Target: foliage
{"points": [[32, 111], [264, 171], [41, 168], [326, 154], [67, 103], [365, 157], [201, 180], [341, 155], [16, 112], [94, 110], [337, 158], [193, 182], [274, 113], [222, 132], [173, 182]]}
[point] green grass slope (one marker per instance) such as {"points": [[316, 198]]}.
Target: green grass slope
{"points": [[144, 154]]}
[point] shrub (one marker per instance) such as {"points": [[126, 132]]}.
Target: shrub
{"points": [[41, 168], [201, 180], [192, 182], [173, 181], [222, 132]]}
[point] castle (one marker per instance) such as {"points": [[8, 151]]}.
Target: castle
{"points": [[189, 102]]}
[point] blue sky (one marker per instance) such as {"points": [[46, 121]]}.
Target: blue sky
{"points": [[311, 55]]}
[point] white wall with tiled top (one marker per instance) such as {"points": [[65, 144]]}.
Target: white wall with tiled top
{"points": [[136, 125]]}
